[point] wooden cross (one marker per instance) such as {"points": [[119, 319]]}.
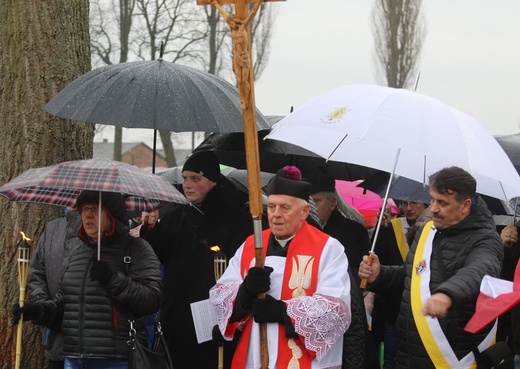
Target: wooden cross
{"points": [[239, 23]]}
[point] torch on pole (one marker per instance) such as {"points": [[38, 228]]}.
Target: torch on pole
{"points": [[24, 259], [219, 265]]}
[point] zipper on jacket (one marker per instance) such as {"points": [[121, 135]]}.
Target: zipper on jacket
{"points": [[81, 322]]}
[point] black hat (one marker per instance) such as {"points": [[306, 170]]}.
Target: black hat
{"points": [[321, 182], [287, 182], [205, 163], [114, 202]]}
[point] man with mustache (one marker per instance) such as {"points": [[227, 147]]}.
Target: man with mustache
{"points": [[441, 276]]}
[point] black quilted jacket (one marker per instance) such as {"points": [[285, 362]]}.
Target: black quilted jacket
{"points": [[470, 250], [95, 317]]}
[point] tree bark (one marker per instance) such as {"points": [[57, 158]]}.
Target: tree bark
{"points": [[44, 46], [168, 148]]}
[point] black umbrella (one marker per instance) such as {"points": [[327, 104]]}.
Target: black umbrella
{"points": [[511, 145], [274, 155], [404, 189], [153, 94], [233, 181]]}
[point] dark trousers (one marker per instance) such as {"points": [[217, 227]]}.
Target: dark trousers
{"points": [[52, 364]]}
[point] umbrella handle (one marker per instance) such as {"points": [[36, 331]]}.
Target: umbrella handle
{"points": [[364, 281]]}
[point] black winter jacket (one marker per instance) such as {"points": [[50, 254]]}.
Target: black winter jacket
{"points": [[95, 317], [182, 241], [470, 250]]}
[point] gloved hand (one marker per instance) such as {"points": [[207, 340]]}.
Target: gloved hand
{"points": [[30, 311], [257, 280], [101, 271], [269, 310], [217, 336]]}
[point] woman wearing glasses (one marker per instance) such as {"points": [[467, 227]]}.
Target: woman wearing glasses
{"points": [[99, 296]]}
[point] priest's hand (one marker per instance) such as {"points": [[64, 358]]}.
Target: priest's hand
{"points": [[257, 280], [269, 310]]}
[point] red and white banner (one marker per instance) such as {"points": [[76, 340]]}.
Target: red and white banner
{"points": [[496, 297]]}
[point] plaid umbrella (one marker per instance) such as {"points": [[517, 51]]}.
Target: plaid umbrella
{"points": [[61, 183]]}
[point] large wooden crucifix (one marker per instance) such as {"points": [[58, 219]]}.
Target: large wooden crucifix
{"points": [[239, 24]]}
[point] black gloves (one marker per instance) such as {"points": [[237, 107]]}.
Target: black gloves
{"points": [[269, 310], [257, 280], [217, 336], [101, 271], [30, 311]]}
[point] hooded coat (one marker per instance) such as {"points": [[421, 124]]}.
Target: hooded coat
{"points": [[470, 249]]}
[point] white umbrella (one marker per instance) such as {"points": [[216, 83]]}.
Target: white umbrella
{"points": [[400, 132]]}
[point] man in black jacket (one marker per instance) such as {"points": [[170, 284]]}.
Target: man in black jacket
{"points": [[182, 240], [352, 235], [358, 348], [442, 276]]}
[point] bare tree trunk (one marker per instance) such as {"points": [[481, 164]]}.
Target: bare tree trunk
{"points": [[213, 17], [126, 10], [168, 148], [45, 45], [118, 143]]}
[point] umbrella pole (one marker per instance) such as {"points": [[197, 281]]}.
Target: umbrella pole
{"points": [[99, 229], [154, 149], [381, 213]]}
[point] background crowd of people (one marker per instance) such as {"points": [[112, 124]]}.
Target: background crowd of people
{"points": [[423, 274]]}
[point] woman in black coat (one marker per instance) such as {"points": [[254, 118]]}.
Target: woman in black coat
{"points": [[99, 296]]}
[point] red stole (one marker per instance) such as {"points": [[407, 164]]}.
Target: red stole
{"points": [[300, 279]]}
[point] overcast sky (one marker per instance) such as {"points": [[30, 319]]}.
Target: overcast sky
{"points": [[470, 58]]}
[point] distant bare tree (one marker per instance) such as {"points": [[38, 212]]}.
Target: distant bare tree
{"points": [[134, 30], [179, 26], [192, 35], [218, 58], [399, 30], [101, 43], [262, 27]]}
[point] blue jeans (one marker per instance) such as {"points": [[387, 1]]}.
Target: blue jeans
{"points": [[77, 363], [517, 361]]}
